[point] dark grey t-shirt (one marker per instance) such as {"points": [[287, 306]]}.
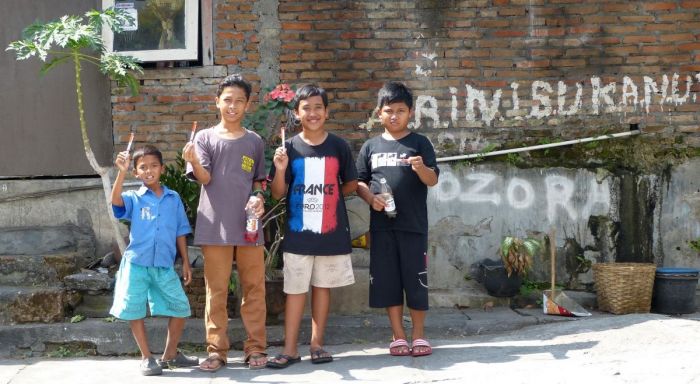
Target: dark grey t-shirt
{"points": [[233, 164]]}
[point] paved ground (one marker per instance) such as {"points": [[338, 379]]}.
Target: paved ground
{"points": [[637, 348]]}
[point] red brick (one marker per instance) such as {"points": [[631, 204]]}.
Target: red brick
{"points": [[127, 99], [298, 45], [544, 32], [509, 33], [355, 35], [296, 26], [369, 44], [660, 6], [171, 98], [584, 29], [464, 34], [689, 47], [225, 60], [123, 107], [639, 39], [677, 37], [624, 7], [313, 16], [204, 98], [316, 74], [532, 63], [230, 35], [690, 4]]}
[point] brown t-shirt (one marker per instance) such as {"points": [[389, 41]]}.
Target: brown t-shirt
{"points": [[233, 164]]}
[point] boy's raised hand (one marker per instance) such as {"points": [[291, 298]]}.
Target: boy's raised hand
{"points": [[122, 161], [281, 160], [416, 162], [189, 154]]}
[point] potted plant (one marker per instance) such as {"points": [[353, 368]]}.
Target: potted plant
{"points": [[503, 278]]}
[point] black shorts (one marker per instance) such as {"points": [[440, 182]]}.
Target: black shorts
{"points": [[398, 264]]}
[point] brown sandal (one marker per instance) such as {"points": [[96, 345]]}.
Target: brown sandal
{"points": [[209, 361]]}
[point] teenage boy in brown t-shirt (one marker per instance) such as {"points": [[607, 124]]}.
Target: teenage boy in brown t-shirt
{"points": [[228, 160]]}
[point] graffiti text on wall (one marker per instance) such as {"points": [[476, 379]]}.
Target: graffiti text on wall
{"points": [[557, 195], [566, 101]]}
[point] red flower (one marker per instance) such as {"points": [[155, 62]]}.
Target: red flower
{"points": [[282, 92]]}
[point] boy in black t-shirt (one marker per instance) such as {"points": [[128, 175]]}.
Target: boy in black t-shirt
{"points": [[314, 169], [398, 244]]}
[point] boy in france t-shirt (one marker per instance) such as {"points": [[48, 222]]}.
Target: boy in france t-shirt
{"points": [[315, 170], [398, 243]]}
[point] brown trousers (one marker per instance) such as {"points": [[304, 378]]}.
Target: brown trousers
{"points": [[250, 263]]}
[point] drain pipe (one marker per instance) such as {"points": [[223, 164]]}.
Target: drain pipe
{"points": [[542, 146]]}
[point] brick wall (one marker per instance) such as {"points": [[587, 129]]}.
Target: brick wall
{"points": [[484, 72]]}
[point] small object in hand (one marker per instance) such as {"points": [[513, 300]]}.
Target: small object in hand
{"points": [[194, 130], [131, 141]]}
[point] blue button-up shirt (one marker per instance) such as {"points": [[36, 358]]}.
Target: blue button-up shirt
{"points": [[155, 225]]}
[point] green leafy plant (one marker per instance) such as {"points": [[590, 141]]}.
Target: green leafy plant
{"points": [[174, 178], [77, 40], [517, 254], [513, 158], [77, 318], [75, 349], [583, 265], [695, 245]]}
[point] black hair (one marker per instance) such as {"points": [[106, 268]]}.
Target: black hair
{"points": [[307, 91], [147, 150], [234, 80], [394, 92]]}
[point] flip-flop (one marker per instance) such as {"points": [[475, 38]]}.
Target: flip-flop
{"points": [[399, 347], [288, 360], [421, 343], [320, 356], [256, 356], [209, 360]]}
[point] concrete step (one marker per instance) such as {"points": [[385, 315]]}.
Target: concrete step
{"points": [[47, 240], [38, 270], [114, 338], [34, 304]]}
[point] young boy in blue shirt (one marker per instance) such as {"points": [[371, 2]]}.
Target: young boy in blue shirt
{"points": [[146, 273], [398, 242]]}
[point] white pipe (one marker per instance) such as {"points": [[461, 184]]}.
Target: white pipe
{"points": [[541, 146]]}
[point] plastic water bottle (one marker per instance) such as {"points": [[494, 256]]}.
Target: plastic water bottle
{"points": [[390, 207], [251, 222]]}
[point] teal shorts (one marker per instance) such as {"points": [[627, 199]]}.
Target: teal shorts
{"points": [[159, 287]]}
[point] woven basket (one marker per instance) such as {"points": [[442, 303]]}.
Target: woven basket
{"points": [[624, 287]]}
